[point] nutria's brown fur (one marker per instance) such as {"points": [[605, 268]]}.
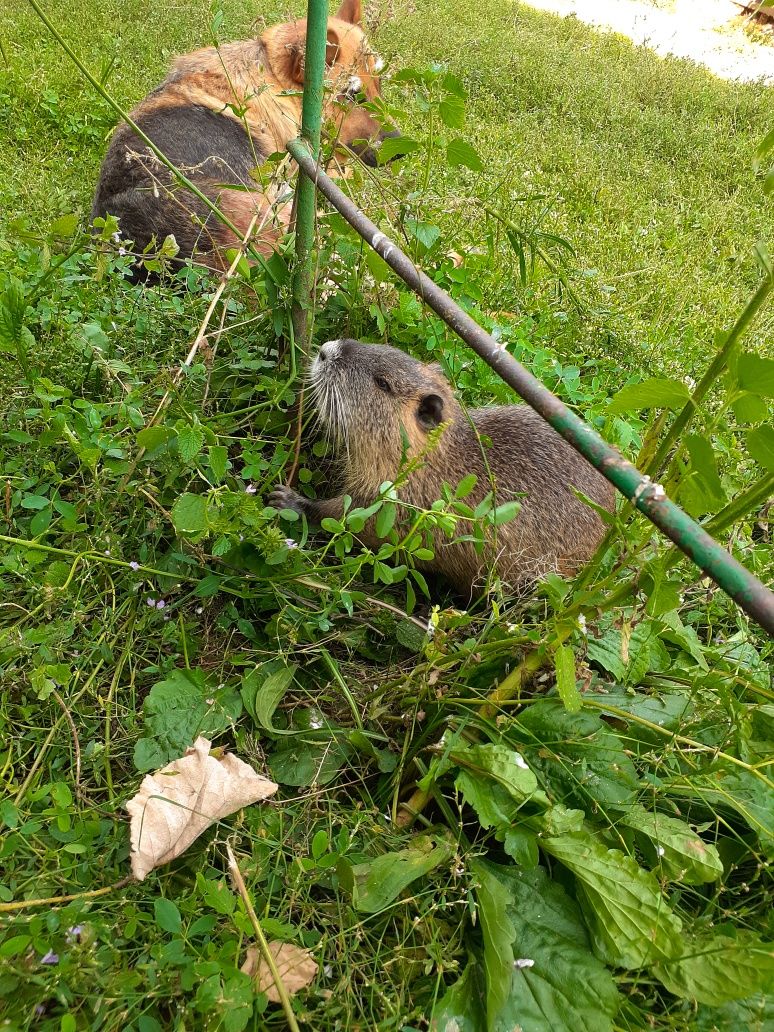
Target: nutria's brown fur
{"points": [[220, 113], [367, 392]]}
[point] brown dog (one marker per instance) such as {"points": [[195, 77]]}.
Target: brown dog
{"points": [[216, 117]]}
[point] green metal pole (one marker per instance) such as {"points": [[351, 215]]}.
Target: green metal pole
{"points": [[306, 192]]}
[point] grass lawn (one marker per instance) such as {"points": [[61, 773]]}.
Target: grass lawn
{"points": [[607, 869]]}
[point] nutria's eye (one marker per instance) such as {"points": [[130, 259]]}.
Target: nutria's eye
{"points": [[382, 384]]}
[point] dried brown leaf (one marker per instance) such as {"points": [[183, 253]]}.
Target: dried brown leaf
{"points": [[296, 966], [180, 801]]}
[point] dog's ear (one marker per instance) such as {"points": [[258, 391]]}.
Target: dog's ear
{"points": [[332, 47], [351, 11]]}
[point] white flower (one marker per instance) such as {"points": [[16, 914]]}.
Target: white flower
{"points": [[522, 963], [251, 489], [519, 760], [290, 543]]}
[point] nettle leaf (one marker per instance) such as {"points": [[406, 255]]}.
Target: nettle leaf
{"points": [[458, 152], [190, 441], [263, 689], [629, 920], [760, 444], [682, 854], [756, 374], [717, 969], [582, 763], [462, 1008], [654, 393], [178, 710], [377, 883], [189, 514], [541, 974], [219, 463]]}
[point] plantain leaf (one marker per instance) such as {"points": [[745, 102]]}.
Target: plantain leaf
{"points": [[629, 920], [682, 854], [717, 969], [540, 972]]}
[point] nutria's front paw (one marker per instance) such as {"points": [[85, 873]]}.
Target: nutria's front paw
{"points": [[283, 497]]}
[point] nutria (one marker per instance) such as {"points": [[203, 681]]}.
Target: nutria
{"points": [[367, 393]]}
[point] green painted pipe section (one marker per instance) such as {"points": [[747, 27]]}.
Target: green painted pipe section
{"points": [[311, 117]]}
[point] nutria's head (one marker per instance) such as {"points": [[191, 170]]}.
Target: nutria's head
{"points": [[352, 70], [366, 394]]}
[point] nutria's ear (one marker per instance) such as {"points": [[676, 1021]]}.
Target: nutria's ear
{"points": [[295, 67], [430, 411], [332, 49], [351, 11]]}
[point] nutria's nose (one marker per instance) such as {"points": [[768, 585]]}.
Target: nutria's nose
{"points": [[329, 350]]}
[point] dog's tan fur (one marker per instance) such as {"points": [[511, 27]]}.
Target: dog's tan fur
{"points": [[255, 87]]}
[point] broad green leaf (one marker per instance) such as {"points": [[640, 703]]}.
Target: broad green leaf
{"points": [[503, 765], [566, 685], [263, 689], [521, 845], [395, 146], [385, 520], [629, 658], [682, 854], [667, 712], [749, 408], [717, 969], [167, 916], [504, 513], [462, 1007], [452, 111], [377, 883], [494, 806], [466, 485], [630, 922], [218, 456], [64, 226], [189, 514], [458, 152], [541, 974], [760, 444], [153, 437], [756, 374], [708, 492], [580, 761], [309, 763], [653, 393], [178, 710], [684, 636], [190, 440], [425, 232], [216, 894]]}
